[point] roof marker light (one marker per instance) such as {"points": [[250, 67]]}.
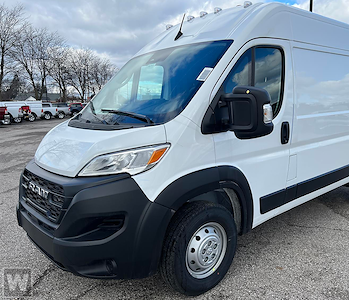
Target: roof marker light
{"points": [[168, 26], [217, 10], [190, 18], [247, 4], [203, 14]]}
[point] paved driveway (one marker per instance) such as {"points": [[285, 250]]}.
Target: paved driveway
{"points": [[302, 254]]}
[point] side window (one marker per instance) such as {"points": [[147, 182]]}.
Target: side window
{"points": [[150, 82], [268, 73], [240, 74], [124, 92], [260, 67]]}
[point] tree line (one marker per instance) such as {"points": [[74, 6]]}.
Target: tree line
{"points": [[31, 59]]}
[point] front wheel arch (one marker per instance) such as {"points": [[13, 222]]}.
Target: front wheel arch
{"points": [[192, 186]]}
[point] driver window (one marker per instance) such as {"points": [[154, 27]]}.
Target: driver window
{"points": [[262, 67], [240, 74], [150, 82], [268, 71]]}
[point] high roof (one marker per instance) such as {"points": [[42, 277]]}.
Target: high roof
{"points": [[271, 20]]}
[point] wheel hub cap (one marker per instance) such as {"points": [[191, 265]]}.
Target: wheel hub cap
{"points": [[206, 250]]}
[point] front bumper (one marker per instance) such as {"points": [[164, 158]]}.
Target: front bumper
{"points": [[6, 120], [107, 228]]}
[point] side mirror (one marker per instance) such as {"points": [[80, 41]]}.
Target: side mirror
{"points": [[249, 110]]}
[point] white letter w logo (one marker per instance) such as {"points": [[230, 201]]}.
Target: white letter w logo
{"points": [[16, 280], [17, 283]]}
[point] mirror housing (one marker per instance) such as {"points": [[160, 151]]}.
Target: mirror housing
{"points": [[249, 111]]}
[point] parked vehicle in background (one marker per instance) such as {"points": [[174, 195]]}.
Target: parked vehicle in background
{"points": [[75, 108], [48, 111], [4, 116], [27, 113], [14, 109], [36, 109], [63, 109]]}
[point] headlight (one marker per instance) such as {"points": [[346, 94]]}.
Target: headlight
{"points": [[130, 161]]}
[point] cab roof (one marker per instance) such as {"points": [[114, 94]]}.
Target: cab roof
{"points": [[269, 20]]}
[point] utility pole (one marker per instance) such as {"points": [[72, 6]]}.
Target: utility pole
{"points": [[311, 5]]}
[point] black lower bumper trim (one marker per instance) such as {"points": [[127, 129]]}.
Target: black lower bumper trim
{"points": [[109, 230]]}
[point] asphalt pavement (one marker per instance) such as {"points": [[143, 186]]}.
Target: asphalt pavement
{"points": [[301, 254]]}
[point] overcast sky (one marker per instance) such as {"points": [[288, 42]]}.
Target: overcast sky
{"points": [[119, 28]]}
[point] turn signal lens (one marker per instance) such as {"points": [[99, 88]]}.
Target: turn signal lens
{"points": [[268, 113], [156, 156]]}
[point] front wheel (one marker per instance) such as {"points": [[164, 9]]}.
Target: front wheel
{"points": [[199, 247], [17, 120]]}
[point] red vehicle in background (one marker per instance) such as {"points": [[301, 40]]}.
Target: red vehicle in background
{"points": [[27, 114], [4, 116]]}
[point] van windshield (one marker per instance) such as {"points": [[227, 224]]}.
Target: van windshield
{"points": [[152, 88]]}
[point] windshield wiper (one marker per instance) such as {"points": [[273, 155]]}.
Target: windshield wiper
{"points": [[129, 114], [95, 115]]}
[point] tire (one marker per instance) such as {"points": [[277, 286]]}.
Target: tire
{"points": [[32, 118], [47, 116], [61, 115], [17, 120], [187, 247]]}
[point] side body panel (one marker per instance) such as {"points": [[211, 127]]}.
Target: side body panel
{"points": [[264, 161], [321, 127], [319, 150]]}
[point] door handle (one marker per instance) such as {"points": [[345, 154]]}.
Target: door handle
{"points": [[285, 132]]}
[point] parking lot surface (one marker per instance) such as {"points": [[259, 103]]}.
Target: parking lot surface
{"points": [[302, 254]]}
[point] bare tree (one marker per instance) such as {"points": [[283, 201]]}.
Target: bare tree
{"points": [[58, 68], [80, 66], [11, 23], [101, 72], [31, 51]]}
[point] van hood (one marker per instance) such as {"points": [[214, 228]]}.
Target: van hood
{"points": [[66, 150]]}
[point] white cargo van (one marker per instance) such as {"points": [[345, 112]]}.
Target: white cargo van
{"points": [[210, 130]]}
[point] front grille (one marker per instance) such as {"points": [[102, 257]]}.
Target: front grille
{"points": [[53, 187], [44, 196]]}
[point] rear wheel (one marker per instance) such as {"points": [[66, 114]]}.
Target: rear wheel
{"points": [[47, 116], [32, 118], [199, 247], [61, 115]]}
